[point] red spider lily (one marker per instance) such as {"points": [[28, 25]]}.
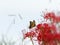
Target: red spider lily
{"points": [[49, 15], [52, 42], [52, 17], [46, 27], [29, 34], [44, 32], [45, 37], [53, 28], [57, 37], [57, 19], [39, 26], [48, 37]]}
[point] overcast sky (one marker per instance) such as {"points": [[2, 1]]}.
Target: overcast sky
{"points": [[28, 9]]}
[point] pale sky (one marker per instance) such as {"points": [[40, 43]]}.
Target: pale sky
{"points": [[28, 9]]}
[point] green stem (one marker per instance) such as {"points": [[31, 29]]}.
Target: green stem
{"points": [[32, 41]]}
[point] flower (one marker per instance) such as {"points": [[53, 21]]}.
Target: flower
{"points": [[46, 28], [49, 15], [45, 32], [57, 36], [29, 34], [52, 16], [39, 26], [57, 19]]}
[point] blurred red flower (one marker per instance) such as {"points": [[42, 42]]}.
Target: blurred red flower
{"points": [[49, 15], [52, 16], [45, 32], [29, 34]]}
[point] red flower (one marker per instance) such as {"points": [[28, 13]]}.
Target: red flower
{"points": [[46, 32], [29, 34], [49, 15], [57, 19], [39, 37], [57, 37], [53, 28], [46, 28], [52, 17], [39, 26], [48, 37]]}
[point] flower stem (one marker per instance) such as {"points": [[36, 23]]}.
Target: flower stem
{"points": [[32, 41]]}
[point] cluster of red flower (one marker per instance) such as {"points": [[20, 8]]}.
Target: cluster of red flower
{"points": [[52, 16], [46, 32]]}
